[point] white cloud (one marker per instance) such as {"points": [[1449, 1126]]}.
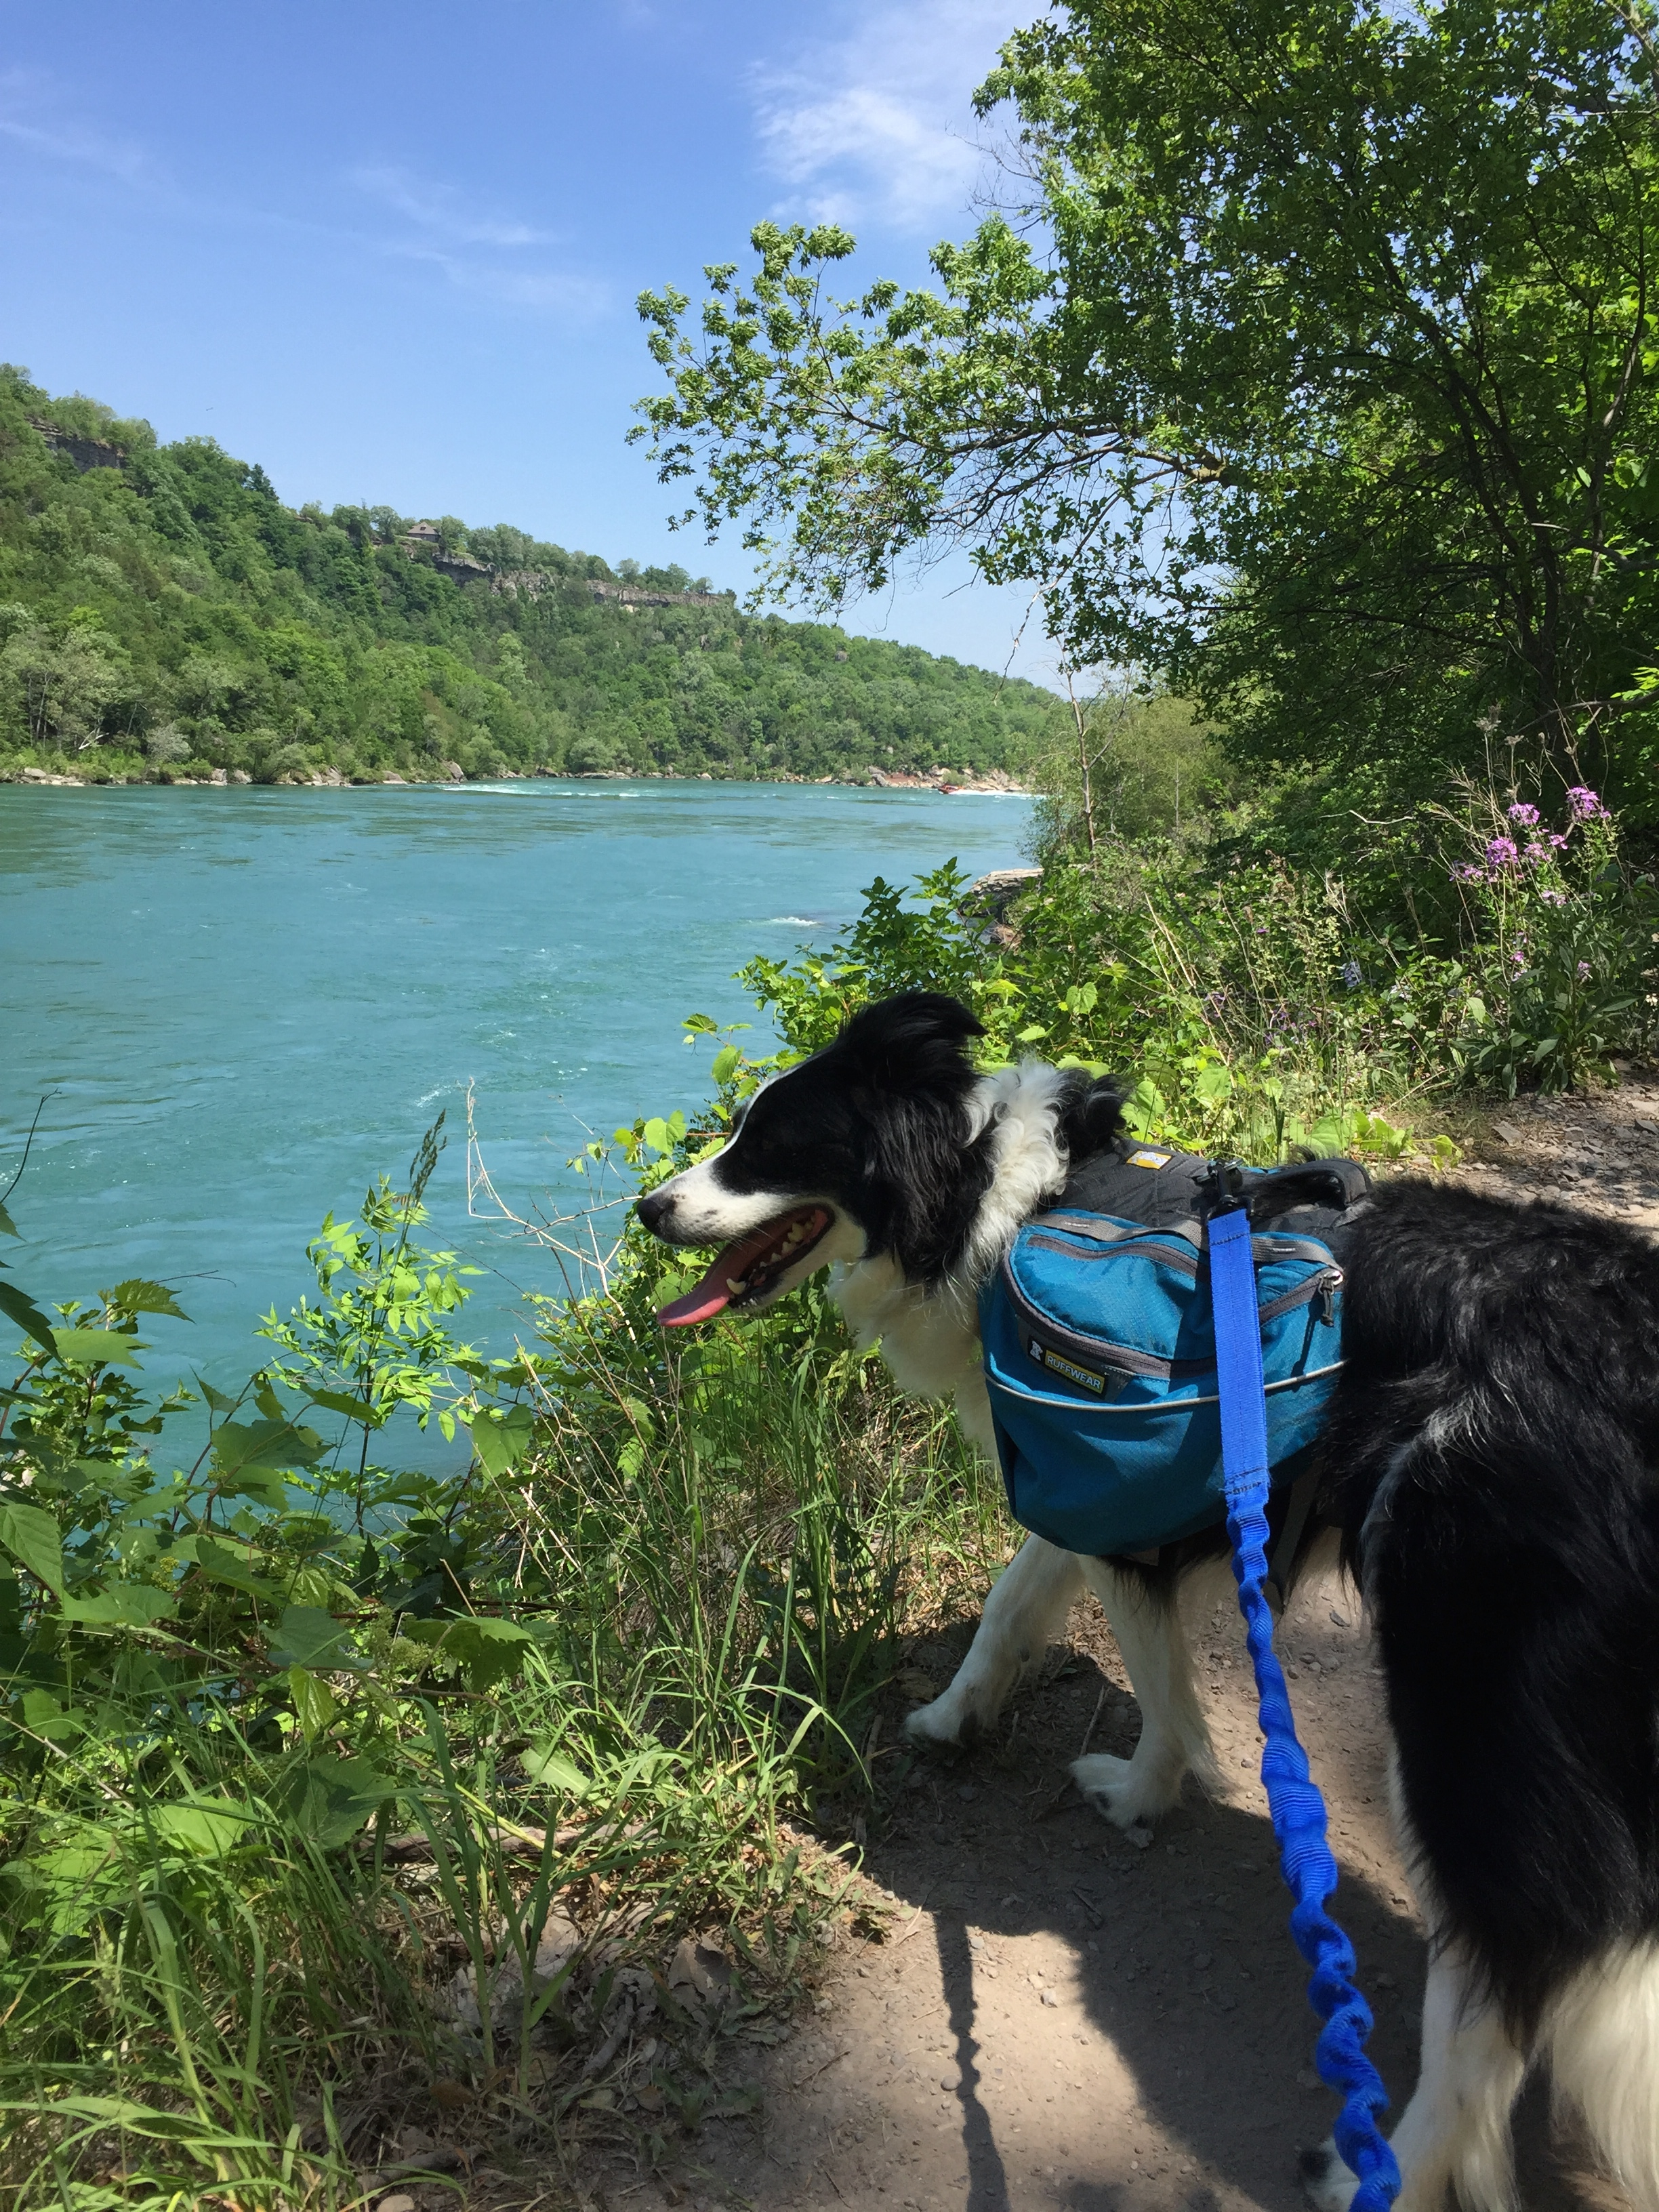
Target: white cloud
{"points": [[31, 116], [464, 243], [435, 208], [879, 121]]}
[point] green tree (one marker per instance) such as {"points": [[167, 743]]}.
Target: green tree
{"points": [[58, 686], [1314, 375]]}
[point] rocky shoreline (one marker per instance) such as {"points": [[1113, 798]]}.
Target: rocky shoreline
{"points": [[998, 782]]}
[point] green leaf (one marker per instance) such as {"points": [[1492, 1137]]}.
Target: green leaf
{"points": [[656, 1133], [338, 1402], [314, 1704], [326, 1800], [488, 1651], [221, 1564], [241, 1448], [119, 2113], [501, 1443], [100, 1348], [44, 1711], [307, 1637], [137, 1296], [217, 1399], [6, 1224], [554, 1772], [126, 1605], [30, 1535], [27, 1315], [724, 1065], [1214, 1084], [68, 1886], [205, 1830]]}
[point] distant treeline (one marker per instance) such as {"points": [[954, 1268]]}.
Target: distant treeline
{"points": [[162, 613]]}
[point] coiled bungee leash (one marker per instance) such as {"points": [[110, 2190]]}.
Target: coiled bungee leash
{"points": [[1293, 1798]]}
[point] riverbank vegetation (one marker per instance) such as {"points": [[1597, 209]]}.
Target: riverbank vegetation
{"points": [[360, 1823], [164, 617], [1307, 367]]}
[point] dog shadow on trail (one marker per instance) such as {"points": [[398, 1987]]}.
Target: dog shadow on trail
{"points": [[1184, 1964]]}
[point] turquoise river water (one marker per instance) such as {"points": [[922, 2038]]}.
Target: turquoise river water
{"points": [[242, 1004]]}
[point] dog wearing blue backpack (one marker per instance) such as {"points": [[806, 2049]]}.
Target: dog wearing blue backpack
{"points": [[1465, 1387]]}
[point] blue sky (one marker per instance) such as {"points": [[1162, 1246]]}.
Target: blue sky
{"points": [[391, 250]]}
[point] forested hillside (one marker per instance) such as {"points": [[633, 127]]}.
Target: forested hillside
{"points": [[162, 613]]}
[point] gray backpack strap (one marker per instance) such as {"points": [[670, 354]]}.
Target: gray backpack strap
{"points": [[1104, 1231]]}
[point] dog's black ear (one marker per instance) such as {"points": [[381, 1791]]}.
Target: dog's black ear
{"points": [[909, 1042], [1091, 1120], [909, 1077]]}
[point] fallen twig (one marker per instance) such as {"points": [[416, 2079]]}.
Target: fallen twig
{"points": [[801, 2080]]}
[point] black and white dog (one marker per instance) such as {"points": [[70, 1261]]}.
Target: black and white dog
{"points": [[1491, 1458]]}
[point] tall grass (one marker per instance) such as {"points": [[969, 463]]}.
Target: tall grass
{"points": [[216, 1983]]}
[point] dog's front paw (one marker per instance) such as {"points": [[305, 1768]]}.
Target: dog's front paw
{"points": [[1327, 2182], [950, 1722], [1128, 1794]]}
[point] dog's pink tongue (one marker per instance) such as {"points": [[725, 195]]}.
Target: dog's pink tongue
{"points": [[709, 1298]]}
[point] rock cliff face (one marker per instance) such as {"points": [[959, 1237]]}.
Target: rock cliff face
{"points": [[636, 595], [422, 543], [85, 452]]}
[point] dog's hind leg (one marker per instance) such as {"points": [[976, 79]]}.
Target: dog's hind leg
{"points": [[1602, 2035], [1456, 2128], [1174, 1737], [1026, 1609]]}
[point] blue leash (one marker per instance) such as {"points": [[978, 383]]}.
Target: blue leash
{"points": [[1293, 1798]]}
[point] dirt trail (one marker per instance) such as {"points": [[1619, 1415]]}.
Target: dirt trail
{"points": [[1058, 2018]]}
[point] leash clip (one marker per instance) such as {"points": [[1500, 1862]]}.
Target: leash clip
{"points": [[1223, 1188]]}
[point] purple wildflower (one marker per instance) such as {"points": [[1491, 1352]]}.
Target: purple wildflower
{"points": [[1468, 873], [1583, 971], [1552, 897], [1557, 841], [1501, 852], [1586, 806], [1535, 853], [1525, 815]]}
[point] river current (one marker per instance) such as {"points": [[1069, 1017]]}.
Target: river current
{"points": [[239, 1005]]}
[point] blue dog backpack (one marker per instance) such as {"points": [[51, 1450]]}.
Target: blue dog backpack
{"points": [[1099, 1342]]}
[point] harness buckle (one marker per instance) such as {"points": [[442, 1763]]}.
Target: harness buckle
{"points": [[1223, 1186]]}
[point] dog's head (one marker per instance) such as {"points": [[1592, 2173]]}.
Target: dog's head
{"points": [[873, 1145]]}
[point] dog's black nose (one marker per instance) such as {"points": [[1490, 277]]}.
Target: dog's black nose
{"points": [[654, 1209]]}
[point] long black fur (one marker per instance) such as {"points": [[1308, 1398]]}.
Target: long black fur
{"points": [[1491, 1456]]}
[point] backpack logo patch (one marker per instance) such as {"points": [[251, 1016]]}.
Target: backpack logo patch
{"points": [[1147, 1159], [1069, 1367]]}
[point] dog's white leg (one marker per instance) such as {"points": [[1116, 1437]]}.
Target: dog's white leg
{"points": [[1603, 2040], [1174, 1737], [1456, 2128], [1026, 1609]]}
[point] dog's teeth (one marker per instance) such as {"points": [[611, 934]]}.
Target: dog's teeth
{"points": [[736, 1284]]}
